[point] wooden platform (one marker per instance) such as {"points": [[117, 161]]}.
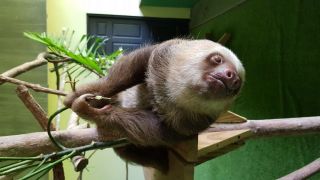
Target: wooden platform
{"points": [[186, 155]]}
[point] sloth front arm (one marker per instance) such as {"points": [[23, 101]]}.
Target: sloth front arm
{"points": [[141, 127], [128, 71]]}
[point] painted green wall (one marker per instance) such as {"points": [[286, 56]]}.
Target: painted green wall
{"points": [[16, 17], [278, 42]]}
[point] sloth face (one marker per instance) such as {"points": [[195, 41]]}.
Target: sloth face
{"points": [[205, 74], [221, 76], [205, 67]]}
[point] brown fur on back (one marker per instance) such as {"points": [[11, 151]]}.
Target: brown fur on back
{"points": [[163, 97]]}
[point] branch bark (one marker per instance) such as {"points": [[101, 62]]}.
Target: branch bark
{"points": [[304, 172], [35, 87], [39, 114], [39, 61], [272, 127], [33, 144], [37, 143], [277, 127]]}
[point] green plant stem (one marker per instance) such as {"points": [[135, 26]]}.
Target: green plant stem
{"points": [[49, 166], [93, 145], [56, 143], [68, 152], [71, 81], [19, 168], [44, 173], [15, 165], [40, 164], [56, 70], [21, 158]]}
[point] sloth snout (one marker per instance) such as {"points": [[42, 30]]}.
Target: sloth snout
{"points": [[231, 79]]}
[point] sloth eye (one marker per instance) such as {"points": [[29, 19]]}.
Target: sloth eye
{"points": [[216, 59]]}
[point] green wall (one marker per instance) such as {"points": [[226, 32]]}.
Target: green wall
{"points": [[16, 17], [278, 42]]}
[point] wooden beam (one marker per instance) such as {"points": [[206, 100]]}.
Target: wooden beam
{"points": [[211, 145], [184, 156], [230, 117]]}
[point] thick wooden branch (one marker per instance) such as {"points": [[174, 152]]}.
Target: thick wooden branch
{"points": [[39, 143], [39, 61], [272, 127], [305, 172], [35, 87]]}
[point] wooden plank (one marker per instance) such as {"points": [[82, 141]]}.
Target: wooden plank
{"points": [[213, 144], [178, 169], [189, 150], [230, 117]]}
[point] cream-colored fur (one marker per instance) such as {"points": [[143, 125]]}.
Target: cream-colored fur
{"points": [[185, 70]]}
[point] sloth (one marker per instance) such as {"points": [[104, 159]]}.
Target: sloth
{"points": [[161, 94]]}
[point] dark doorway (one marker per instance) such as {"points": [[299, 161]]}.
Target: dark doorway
{"points": [[132, 32]]}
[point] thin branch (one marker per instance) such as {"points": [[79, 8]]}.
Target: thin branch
{"points": [[39, 61], [224, 38], [58, 171], [272, 127], [304, 172], [35, 87], [53, 57], [36, 110]]}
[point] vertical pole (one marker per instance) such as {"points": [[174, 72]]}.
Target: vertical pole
{"points": [[181, 163]]}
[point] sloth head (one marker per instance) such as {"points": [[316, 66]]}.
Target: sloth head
{"points": [[204, 75]]}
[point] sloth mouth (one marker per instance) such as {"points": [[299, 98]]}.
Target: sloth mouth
{"points": [[215, 81], [218, 86]]}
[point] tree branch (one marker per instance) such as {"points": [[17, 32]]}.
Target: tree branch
{"points": [[304, 172], [39, 61], [272, 127], [35, 87], [33, 144], [224, 38], [276, 127], [38, 113], [37, 143]]}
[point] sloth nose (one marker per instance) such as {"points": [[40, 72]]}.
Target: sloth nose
{"points": [[232, 80], [229, 74]]}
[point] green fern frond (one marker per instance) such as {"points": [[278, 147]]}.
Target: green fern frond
{"points": [[80, 54]]}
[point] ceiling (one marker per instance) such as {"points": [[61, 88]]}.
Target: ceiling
{"points": [[169, 3]]}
